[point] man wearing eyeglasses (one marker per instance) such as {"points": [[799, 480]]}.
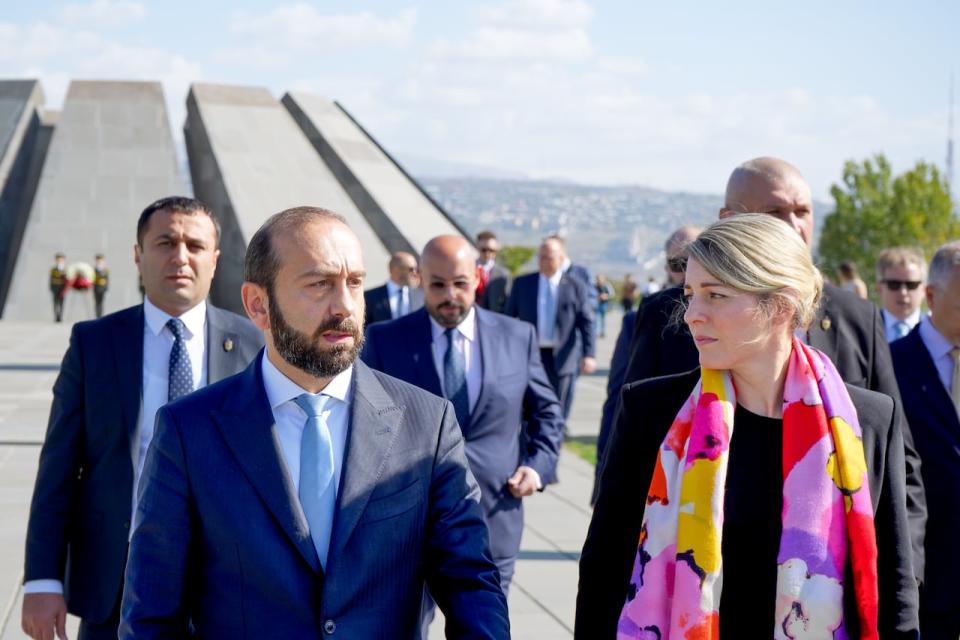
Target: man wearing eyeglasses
{"points": [[675, 250], [493, 280], [901, 286]]}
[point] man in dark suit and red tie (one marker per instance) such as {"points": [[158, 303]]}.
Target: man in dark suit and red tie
{"points": [[493, 286], [488, 366], [117, 372], [927, 365]]}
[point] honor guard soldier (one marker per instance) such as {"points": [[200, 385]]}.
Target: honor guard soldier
{"points": [[58, 285], [101, 280]]}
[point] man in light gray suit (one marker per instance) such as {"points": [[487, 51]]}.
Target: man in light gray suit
{"points": [[308, 495]]}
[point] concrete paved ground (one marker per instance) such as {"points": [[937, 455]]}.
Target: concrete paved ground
{"points": [[544, 588]]}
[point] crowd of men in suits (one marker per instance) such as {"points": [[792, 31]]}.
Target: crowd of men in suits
{"points": [[343, 460]]}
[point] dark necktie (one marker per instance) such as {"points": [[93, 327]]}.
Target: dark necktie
{"points": [[317, 491], [455, 379], [181, 372]]}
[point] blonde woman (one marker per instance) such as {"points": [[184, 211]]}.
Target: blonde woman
{"points": [[757, 496]]}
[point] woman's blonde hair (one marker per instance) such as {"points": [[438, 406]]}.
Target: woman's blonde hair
{"points": [[757, 253]]}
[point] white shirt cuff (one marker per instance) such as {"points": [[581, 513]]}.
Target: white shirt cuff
{"points": [[43, 586], [537, 476]]}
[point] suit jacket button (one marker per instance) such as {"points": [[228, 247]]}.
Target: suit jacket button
{"points": [[126, 524], [329, 627]]}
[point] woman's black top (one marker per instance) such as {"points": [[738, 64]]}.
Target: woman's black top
{"points": [[752, 526]]}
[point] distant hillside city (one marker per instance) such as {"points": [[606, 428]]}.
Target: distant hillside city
{"points": [[613, 230]]}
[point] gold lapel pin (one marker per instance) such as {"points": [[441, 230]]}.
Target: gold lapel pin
{"points": [[228, 345], [825, 324]]}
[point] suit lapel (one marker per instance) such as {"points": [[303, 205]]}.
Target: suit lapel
{"points": [[222, 343], [823, 334], [489, 339], [929, 382], [128, 355], [246, 422], [374, 422], [422, 344]]}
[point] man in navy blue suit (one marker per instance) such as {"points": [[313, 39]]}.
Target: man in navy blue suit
{"points": [[558, 305], [488, 366], [927, 366], [116, 373], [308, 495]]}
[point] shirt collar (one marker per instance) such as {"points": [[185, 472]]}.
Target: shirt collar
{"points": [[467, 327], [891, 320], [393, 288], [554, 279], [156, 319], [936, 344], [281, 389]]}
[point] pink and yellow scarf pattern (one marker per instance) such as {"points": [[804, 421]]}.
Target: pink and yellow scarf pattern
{"points": [[827, 514]]}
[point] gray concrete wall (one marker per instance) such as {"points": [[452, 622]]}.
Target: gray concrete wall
{"points": [[389, 197], [111, 154], [249, 160], [23, 144]]}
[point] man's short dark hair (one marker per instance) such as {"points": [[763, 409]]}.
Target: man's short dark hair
{"points": [[486, 235], [175, 204], [261, 264]]}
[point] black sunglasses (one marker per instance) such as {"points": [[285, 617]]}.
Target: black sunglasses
{"points": [[677, 264], [895, 285]]}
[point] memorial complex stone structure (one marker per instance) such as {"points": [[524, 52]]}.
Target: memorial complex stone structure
{"points": [[76, 181]]}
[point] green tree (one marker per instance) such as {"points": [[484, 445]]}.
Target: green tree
{"points": [[515, 256], [874, 210]]}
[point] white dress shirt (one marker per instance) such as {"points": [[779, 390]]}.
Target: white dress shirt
{"points": [[290, 418], [465, 340], [890, 322], [545, 319], [157, 344], [396, 295], [939, 349]]}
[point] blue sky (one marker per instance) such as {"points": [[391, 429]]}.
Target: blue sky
{"points": [[669, 95]]}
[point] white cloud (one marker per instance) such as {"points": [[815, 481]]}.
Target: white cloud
{"points": [[102, 14], [301, 27], [56, 54], [538, 14], [519, 44]]}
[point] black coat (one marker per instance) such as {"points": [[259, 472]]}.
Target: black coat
{"points": [[497, 291], [933, 422], [849, 330], [647, 411]]}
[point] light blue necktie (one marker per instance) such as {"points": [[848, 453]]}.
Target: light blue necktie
{"points": [[455, 379], [550, 306], [180, 373], [318, 493], [900, 329]]}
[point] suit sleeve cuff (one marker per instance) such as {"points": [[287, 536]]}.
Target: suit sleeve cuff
{"points": [[42, 586]]}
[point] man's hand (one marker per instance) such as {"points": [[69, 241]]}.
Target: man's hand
{"points": [[44, 613], [524, 482], [588, 366]]}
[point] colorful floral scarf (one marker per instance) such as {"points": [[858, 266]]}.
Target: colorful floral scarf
{"points": [[827, 514]]}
